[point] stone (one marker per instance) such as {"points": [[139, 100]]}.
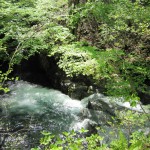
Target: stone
{"points": [[87, 124]]}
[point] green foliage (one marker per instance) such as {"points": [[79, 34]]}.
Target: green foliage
{"points": [[120, 143], [70, 140], [121, 16], [120, 58], [43, 26], [132, 120], [123, 76], [33, 25], [77, 59], [29, 27], [136, 140], [3, 77], [122, 25], [129, 78], [139, 141]]}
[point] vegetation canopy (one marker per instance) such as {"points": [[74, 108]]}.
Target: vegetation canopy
{"points": [[121, 52], [106, 41]]}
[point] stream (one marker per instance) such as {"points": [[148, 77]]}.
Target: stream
{"points": [[29, 109]]}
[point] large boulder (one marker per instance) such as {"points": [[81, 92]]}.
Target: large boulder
{"points": [[110, 105]]}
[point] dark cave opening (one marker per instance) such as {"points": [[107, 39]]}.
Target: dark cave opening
{"points": [[40, 69]]}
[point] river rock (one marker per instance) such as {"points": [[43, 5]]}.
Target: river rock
{"points": [[110, 105], [86, 124], [98, 102]]}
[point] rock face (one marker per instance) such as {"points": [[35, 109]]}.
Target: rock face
{"points": [[43, 70], [75, 90], [104, 108], [78, 89]]}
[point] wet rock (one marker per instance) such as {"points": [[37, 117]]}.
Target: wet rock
{"points": [[77, 90], [97, 102], [110, 105], [86, 124]]}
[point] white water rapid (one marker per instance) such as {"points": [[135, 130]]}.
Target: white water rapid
{"points": [[32, 108]]}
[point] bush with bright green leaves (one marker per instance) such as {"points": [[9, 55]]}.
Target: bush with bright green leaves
{"points": [[71, 141], [77, 59], [130, 139], [31, 26]]}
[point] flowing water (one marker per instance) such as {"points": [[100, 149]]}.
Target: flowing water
{"points": [[29, 109], [57, 109]]}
